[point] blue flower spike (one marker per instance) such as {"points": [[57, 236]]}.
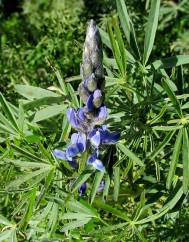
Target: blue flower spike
{"points": [[92, 135]]}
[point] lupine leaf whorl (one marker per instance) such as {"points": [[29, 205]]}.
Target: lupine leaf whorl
{"points": [[91, 67]]}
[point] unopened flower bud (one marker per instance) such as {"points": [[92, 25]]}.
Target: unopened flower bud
{"points": [[97, 98], [91, 83], [83, 92]]}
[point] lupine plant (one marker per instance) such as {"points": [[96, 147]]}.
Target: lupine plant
{"points": [[67, 177]]}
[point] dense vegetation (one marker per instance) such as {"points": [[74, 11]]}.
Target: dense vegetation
{"points": [[146, 176]]}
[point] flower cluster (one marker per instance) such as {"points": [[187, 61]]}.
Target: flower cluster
{"points": [[88, 120]]}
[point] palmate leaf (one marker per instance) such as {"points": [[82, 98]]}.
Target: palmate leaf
{"points": [[28, 154], [75, 224], [118, 213], [151, 29], [40, 173], [164, 209]]}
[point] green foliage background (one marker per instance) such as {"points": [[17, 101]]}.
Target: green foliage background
{"points": [[146, 192]]}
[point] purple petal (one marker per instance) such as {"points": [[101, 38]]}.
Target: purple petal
{"points": [[72, 150], [96, 139], [102, 115], [81, 114], [98, 165], [82, 188], [97, 94], [90, 103], [103, 112], [109, 137], [60, 154], [92, 157], [80, 140], [72, 118]]}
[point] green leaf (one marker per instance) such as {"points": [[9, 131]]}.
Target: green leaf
{"points": [[28, 154], [8, 112], [77, 216], [6, 235], [151, 29], [48, 112], [82, 207], [171, 62], [106, 187], [24, 178], [74, 224], [4, 221], [163, 210], [81, 179], [174, 159], [161, 145], [185, 157], [172, 96], [108, 208], [61, 81], [107, 42], [130, 154], [115, 49], [96, 182], [31, 92], [41, 102], [116, 171], [73, 96], [26, 164], [127, 26], [29, 210]]}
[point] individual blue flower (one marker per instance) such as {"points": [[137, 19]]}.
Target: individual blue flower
{"points": [[82, 189], [78, 119], [101, 136], [101, 115], [93, 160], [62, 156], [78, 145]]}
